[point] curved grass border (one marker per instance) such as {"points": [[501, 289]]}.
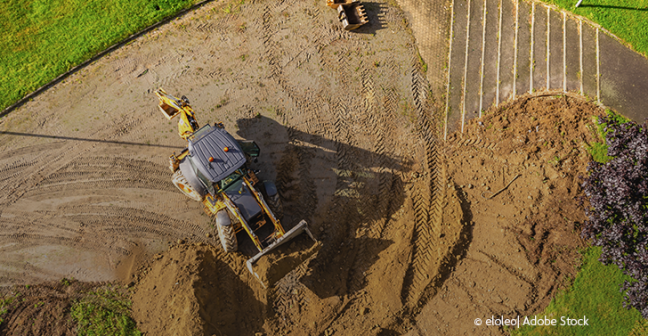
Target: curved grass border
{"points": [[101, 54]]}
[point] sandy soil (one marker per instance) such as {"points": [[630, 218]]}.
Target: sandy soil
{"points": [[347, 129]]}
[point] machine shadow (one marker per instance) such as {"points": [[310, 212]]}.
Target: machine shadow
{"points": [[347, 195], [223, 297]]}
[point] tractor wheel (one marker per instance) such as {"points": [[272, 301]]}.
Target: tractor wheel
{"points": [[181, 183], [227, 237], [275, 205]]}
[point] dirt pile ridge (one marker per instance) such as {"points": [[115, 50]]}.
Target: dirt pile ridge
{"points": [[190, 290]]}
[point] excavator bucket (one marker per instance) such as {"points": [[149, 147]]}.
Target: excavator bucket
{"points": [[276, 267], [169, 105]]}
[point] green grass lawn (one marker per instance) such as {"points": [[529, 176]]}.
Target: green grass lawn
{"points": [[627, 19], [42, 39], [595, 295]]}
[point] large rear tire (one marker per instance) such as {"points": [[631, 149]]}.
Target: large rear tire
{"points": [[180, 181], [227, 237], [275, 205]]}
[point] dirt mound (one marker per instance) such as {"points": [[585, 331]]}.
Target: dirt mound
{"points": [[517, 174], [190, 290], [42, 309]]}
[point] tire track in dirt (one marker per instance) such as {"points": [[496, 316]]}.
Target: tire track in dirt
{"points": [[88, 173], [104, 173], [32, 177], [14, 169], [48, 192], [427, 202], [375, 223], [289, 293], [41, 226], [33, 150], [475, 142], [386, 174], [28, 240], [357, 276], [98, 217], [306, 193], [348, 236], [49, 158]]}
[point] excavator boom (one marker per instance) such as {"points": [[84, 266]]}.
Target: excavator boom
{"points": [[172, 107]]}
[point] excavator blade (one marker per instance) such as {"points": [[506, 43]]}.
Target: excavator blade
{"points": [[276, 267]]}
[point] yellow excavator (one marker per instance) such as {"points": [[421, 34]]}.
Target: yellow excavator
{"points": [[214, 169]]}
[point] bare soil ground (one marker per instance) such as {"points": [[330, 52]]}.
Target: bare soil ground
{"points": [[346, 128]]}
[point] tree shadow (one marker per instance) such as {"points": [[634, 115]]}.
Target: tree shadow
{"points": [[87, 140], [614, 7], [351, 188]]}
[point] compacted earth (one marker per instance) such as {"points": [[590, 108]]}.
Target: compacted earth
{"points": [[419, 236]]}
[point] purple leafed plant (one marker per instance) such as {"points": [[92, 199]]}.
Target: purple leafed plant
{"points": [[618, 212]]}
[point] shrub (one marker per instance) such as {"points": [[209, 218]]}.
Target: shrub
{"points": [[618, 214]]}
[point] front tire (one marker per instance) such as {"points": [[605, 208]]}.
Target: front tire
{"points": [[180, 181], [227, 237]]}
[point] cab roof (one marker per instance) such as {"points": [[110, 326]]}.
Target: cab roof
{"points": [[210, 141]]}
